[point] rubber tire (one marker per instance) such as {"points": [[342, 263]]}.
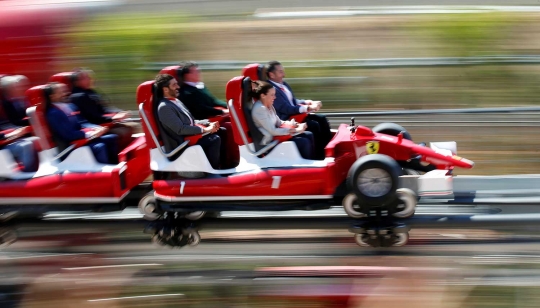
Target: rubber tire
{"points": [[147, 199], [392, 129], [370, 162]]}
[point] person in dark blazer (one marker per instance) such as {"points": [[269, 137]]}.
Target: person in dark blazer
{"points": [[66, 127], [23, 150], [287, 105], [175, 121], [91, 107], [13, 99], [203, 105]]}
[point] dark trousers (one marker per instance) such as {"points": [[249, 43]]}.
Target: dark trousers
{"points": [[305, 144], [105, 149], [319, 126], [230, 152], [211, 145]]}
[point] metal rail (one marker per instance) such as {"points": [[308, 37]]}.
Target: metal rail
{"points": [[363, 63]]}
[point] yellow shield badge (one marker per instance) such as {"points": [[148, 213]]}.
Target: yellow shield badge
{"points": [[372, 147]]}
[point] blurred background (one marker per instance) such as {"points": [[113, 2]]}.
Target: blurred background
{"points": [[352, 55]]}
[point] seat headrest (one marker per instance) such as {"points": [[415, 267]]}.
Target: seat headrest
{"points": [[255, 71], [67, 78], [145, 91], [246, 90], [173, 71], [36, 95]]}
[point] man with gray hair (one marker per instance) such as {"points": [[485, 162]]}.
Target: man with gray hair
{"points": [[13, 98], [23, 149]]}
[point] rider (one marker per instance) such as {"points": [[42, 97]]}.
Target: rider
{"points": [[287, 105], [176, 121], [66, 126], [265, 118]]}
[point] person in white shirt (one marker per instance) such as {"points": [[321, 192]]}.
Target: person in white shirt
{"points": [[265, 118], [287, 105]]}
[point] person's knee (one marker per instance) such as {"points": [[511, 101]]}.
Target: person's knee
{"points": [[309, 135], [313, 126]]}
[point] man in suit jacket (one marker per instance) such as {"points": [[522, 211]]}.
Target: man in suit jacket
{"points": [[14, 100], [175, 121], [203, 105], [287, 105], [67, 126], [91, 106]]}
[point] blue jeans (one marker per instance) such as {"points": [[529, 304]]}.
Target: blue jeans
{"points": [[305, 144], [23, 152], [105, 149]]}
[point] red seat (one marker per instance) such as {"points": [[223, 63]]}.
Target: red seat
{"points": [[244, 128], [67, 78], [257, 71], [147, 111], [173, 71]]}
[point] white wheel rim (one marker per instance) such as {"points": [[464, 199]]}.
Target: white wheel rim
{"points": [[348, 206], [374, 183], [147, 207], [409, 199], [401, 240], [359, 239], [195, 239]]}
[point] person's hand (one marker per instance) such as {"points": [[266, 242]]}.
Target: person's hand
{"points": [[316, 105], [292, 123], [301, 127], [120, 116], [211, 128]]}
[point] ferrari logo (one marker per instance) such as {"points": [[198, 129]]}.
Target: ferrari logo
{"points": [[372, 147]]}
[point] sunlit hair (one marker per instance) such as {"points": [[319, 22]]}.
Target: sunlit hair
{"points": [[162, 81], [80, 71], [8, 81], [261, 87], [270, 67], [48, 91], [185, 68]]}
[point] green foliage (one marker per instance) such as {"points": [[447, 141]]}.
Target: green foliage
{"points": [[115, 46], [471, 34]]}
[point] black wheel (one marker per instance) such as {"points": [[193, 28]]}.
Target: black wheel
{"points": [[374, 180], [392, 129]]}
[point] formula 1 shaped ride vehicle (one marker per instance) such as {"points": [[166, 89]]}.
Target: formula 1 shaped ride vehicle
{"points": [[363, 171]]}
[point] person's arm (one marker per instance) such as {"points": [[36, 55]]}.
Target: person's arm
{"points": [[12, 115], [217, 102], [267, 121], [283, 107], [197, 105], [60, 125], [169, 118], [89, 109]]}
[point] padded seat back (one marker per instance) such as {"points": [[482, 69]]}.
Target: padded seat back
{"points": [[173, 71], [67, 78], [36, 114], [145, 96], [255, 71], [233, 94]]}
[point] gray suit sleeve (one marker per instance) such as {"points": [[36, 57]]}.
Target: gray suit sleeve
{"points": [[169, 118], [262, 119]]}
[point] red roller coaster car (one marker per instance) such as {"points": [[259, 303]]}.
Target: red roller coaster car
{"points": [[73, 179], [363, 169]]}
